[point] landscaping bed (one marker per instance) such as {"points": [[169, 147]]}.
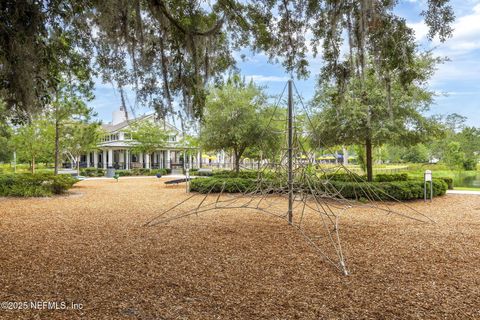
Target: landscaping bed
{"points": [[98, 172], [34, 185], [232, 264], [385, 187]]}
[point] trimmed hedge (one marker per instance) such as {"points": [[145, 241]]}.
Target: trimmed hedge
{"points": [[352, 177], [92, 172], [141, 172], [35, 185], [448, 181], [216, 185], [382, 177], [400, 190], [244, 174]]}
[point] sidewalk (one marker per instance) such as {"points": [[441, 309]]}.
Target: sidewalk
{"points": [[463, 192]]}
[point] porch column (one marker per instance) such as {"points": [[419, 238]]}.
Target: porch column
{"points": [[184, 159], [140, 158], [168, 160], [121, 157], [160, 163], [127, 159], [95, 159], [198, 159], [104, 158], [110, 158], [147, 160], [88, 159], [190, 163]]}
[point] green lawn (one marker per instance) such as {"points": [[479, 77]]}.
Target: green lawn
{"points": [[22, 168], [467, 188]]}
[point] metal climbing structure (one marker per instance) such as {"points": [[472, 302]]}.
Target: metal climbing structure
{"points": [[293, 187]]}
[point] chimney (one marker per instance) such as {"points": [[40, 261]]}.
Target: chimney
{"points": [[119, 116]]}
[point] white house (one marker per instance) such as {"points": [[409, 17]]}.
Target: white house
{"points": [[114, 150]]}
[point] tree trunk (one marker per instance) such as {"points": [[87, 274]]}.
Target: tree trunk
{"points": [[14, 161], [78, 165], [57, 155], [33, 165], [345, 156], [237, 162], [368, 156]]}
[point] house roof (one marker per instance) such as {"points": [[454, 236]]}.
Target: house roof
{"points": [[115, 127]]}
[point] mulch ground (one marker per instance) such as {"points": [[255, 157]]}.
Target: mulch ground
{"points": [[90, 247]]}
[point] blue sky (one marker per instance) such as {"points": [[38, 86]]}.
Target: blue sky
{"points": [[458, 79]]}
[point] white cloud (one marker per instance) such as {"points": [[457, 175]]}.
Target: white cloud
{"points": [[420, 28], [465, 38], [262, 78]]}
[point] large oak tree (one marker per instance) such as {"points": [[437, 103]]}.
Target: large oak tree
{"points": [[173, 49]]}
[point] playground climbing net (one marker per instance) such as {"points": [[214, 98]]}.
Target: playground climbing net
{"points": [[294, 187]]}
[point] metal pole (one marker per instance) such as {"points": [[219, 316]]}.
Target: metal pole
{"points": [[14, 161], [290, 151], [424, 189], [431, 190]]}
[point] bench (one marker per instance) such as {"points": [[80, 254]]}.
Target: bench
{"points": [[205, 172], [177, 181]]}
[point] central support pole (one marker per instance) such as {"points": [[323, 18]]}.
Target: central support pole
{"points": [[290, 151]]}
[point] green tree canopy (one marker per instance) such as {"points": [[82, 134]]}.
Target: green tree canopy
{"points": [[33, 142], [363, 115], [176, 48], [148, 136], [81, 137], [235, 118]]}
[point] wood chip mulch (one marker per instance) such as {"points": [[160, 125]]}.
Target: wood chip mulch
{"points": [[90, 248]]}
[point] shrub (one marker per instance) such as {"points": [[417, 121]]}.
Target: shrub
{"points": [[204, 173], [36, 185], [470, 164], [382, 177], [92, 172], [353, 177], [60, 183], [161, 171], [216, 185], [123, 173], [140, 172], [342, 177], [448, 181], [244, 174], [400, 190]]}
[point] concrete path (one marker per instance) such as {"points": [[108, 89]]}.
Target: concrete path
{"points": [[463, 192]]}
